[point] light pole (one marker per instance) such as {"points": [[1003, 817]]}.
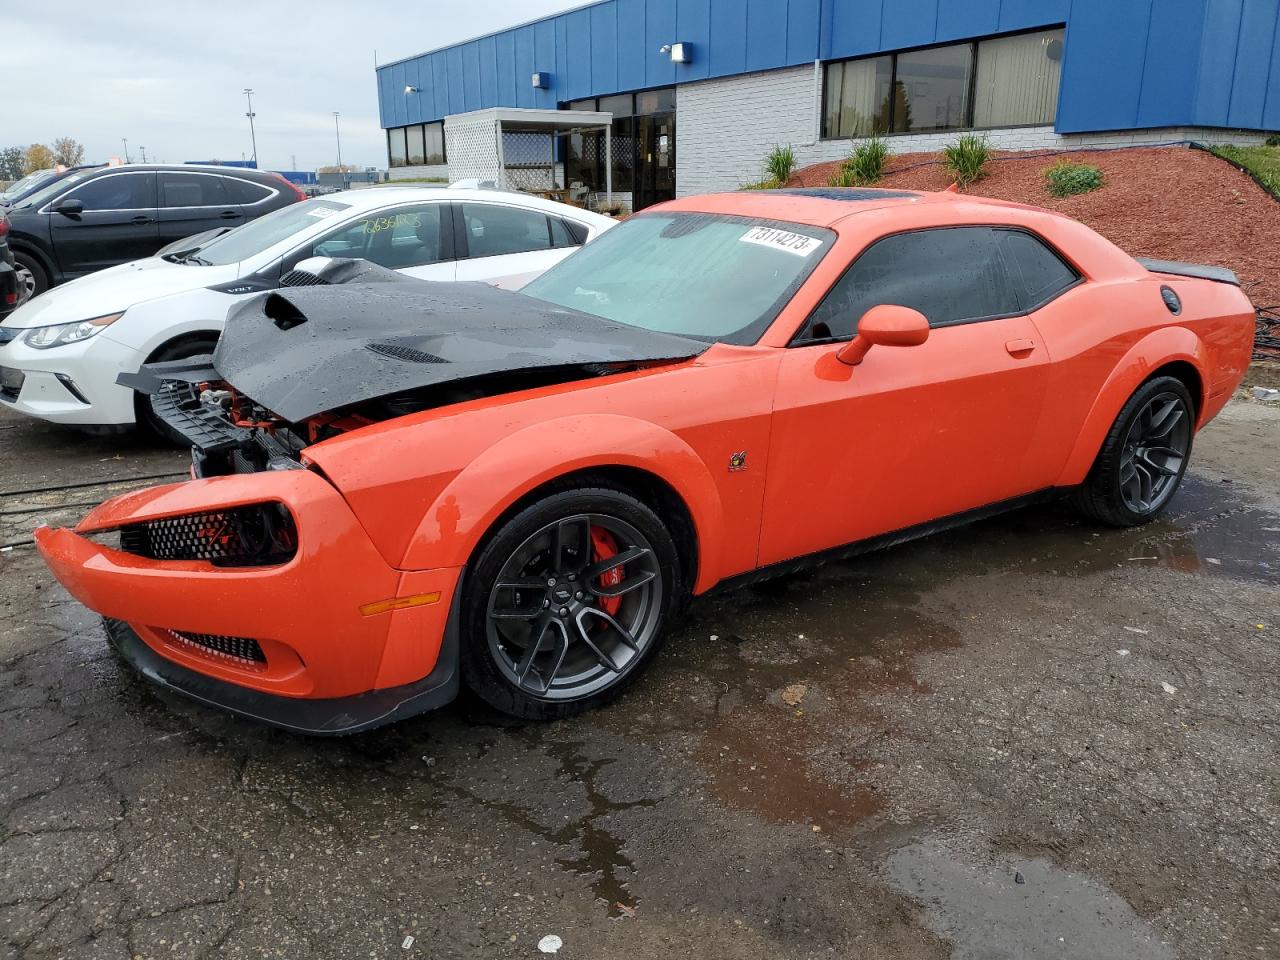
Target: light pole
{"points": [[338, 137], [143, 151], [248, 95], [125, 141]]}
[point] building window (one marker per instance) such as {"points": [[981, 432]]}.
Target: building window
{"points": [[396, 147], [1017, 80], [415, 145], [998, 82]]}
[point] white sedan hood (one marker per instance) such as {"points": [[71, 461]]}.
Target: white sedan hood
{"points": [[116, 289]]}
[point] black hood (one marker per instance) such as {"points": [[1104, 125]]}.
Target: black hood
{"points": [[303, 351]]}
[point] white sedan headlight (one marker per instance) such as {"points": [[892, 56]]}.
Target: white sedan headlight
{"points": [[42, 338]]}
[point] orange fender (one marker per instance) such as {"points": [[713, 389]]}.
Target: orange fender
{"points": [[474, 499], [1157, 348]]}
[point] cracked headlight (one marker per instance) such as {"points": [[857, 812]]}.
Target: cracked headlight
{"points": [[42, 338]]}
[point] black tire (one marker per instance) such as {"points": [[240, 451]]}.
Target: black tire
{"points": [[192, 346], [31, 273], [588, 672], [1129, 483]]}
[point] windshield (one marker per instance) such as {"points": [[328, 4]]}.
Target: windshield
{"points": [[707, 276], [26, 183], [53, 188], [258, 235]]}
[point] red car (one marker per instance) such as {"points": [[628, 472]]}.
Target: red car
{"points": [[399, 487]]}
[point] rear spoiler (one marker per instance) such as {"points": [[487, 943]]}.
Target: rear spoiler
{"points": [[1198, 270]]}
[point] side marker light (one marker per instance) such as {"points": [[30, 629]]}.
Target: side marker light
{"points": [[399, 603]]}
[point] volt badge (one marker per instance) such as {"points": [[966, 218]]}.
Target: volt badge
{"points": [[738, 461]]}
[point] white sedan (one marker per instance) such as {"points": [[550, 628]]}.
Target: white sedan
{"points": [[60, 353]]}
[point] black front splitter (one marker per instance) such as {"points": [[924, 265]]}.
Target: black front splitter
{"points": [[333, 717]]}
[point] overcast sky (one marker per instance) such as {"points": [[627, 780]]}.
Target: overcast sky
{"points": [[169, 76]]}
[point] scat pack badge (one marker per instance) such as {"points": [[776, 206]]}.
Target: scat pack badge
{"points": [[738, 461]]}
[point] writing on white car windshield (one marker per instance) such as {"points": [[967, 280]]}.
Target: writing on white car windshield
{"points": [[255, 236], [700, 275]]}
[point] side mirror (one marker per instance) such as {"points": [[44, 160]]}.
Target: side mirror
{"points": [[69, 208], [887, 325]]}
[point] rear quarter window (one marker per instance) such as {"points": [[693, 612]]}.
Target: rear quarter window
{"points": [[242, 191]]}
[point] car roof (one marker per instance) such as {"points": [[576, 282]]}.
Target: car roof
{"points": [[822, 206], [379, 196]]}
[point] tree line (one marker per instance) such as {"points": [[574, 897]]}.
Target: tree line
{"points": [[17, 162]]}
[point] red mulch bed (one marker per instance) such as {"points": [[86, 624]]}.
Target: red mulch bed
{"points": [[1171, 203]]}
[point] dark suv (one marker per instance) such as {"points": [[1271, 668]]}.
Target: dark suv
{"points": [[103, 216], [9, 288]]}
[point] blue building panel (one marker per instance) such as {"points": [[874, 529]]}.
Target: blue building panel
{"points": [[1127, 63]]}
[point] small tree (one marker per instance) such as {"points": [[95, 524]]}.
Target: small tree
{"points": [[11, 163], [37, 157], [68, 151]]}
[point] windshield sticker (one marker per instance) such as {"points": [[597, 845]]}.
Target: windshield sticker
{"points": [[796, 243], [321, 212]]}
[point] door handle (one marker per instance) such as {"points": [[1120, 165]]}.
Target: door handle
{"points": [[229, 215], [141, 220], [1020, 347]]}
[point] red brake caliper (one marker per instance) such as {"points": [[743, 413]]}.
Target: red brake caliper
{"points": [[603, 546]]}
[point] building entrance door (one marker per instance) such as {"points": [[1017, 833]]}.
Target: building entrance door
{"points": [[655, 160]]}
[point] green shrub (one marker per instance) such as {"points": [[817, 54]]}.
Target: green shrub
{"points": [[966, 158], [780, 164], [864, 166], [1066, 177], [1273, 140], [769, 184]]}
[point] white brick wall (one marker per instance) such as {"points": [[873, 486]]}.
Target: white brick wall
{"points": [[415, 173], [725, 127]]}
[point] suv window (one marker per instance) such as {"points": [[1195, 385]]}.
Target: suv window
{"points": [[242, 191], [492, 229], [950, 274], [191, 190], [119, 191], [397, 238]]}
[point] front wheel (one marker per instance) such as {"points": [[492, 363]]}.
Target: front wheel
{"points": [[566, 603], [31, 275], [144, 405], [1143, 456]]}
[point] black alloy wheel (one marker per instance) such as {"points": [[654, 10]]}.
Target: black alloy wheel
{"points": [[567, 602], [1143, 457], [1155, 453]]}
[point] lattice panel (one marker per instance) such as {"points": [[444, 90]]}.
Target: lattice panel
{"points": [[529, 159], [472, 149]]}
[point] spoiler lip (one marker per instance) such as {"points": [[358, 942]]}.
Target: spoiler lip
{"points": [[1198, 271]]}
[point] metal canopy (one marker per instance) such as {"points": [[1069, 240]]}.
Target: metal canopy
{"points": [[467, 136]]}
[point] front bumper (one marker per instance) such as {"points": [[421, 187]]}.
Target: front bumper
{"points": [[74, 384], [327, 665]]}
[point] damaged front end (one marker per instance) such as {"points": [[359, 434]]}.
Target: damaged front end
{"points": [[297, 366]]}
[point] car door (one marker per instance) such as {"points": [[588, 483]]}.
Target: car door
{"points": [[912, 434], [416, 239], [507, 245], [117, 223], [191, 203]]}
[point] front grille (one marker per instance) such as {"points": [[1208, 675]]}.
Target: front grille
{"points": [[407, 354], [243, 651], [259, 535]]}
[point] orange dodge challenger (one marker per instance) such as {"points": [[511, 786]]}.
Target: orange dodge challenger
{"points": [[399, 487]]}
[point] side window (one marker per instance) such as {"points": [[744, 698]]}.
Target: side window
{"points": [[191, 190], [578, 231], [561, 236], [1035, 271], [242, 191], [493, 229], [123, 191], [397, 238], [950, 274]]}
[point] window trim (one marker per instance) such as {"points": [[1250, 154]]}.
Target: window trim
{"points": [[1080, 278], [971, 103]]}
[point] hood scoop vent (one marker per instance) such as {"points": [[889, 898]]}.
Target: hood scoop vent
{"points": [[283, 313], [407, 354]]}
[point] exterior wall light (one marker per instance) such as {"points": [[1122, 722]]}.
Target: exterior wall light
{"points": [[541, 81], [680, 52], [409, 90]]}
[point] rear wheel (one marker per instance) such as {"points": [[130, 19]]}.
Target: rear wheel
{"points": [[31, 275], [566, 603], [144, 404], [1143, 456]]}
